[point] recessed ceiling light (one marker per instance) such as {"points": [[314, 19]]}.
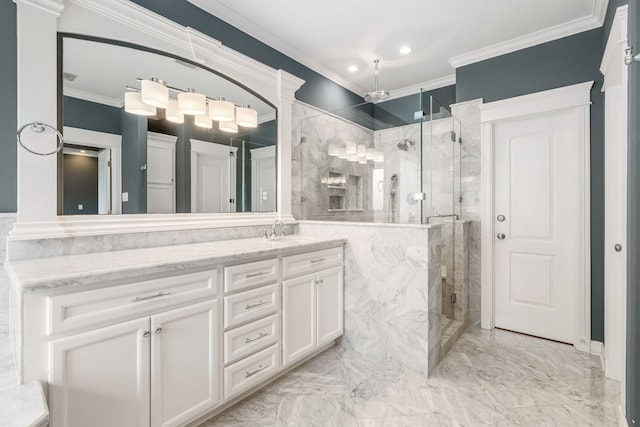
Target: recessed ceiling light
{"points": [[405, 50], [352, 68]]}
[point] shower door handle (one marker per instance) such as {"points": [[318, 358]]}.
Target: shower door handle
{"points": [[501, 236]]}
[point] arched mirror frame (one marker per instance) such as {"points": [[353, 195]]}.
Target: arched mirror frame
{"points": [[37, 101]]}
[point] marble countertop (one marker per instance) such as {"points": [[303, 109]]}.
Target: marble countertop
{"points": [[104, 268]]}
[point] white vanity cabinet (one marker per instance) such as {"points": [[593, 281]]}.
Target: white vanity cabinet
{"points": [[157, 370], [312, 302]]}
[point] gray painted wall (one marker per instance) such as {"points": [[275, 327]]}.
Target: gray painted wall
{"points": [[80, 185], [547, 66], [89, 115], [633, 224], [134, 155], [8, 108]]}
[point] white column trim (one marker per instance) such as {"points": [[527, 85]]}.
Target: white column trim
{"points": [[576, 98]]}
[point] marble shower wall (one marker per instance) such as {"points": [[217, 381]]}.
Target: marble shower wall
{"points": [[469, 115], [392, 290]]}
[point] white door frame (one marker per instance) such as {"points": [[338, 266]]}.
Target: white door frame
{"points": [[105, 140], [574, 98]]}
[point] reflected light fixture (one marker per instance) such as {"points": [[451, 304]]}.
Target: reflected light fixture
{"points": [[203, 121], [405, 50], [229, 127], [222, 110], [246, 117], [154, 92], [173, 114], [192, 103], [133, 104]]}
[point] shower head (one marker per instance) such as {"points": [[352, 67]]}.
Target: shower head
{"points": [[405, 144]]}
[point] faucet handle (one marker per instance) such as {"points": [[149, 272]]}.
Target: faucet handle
{"points": [[264, 233], [283, 230]]}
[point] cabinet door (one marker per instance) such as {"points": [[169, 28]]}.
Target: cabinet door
{"points": [[185, 370], [101, 378], [330, 305], [298, 318]]}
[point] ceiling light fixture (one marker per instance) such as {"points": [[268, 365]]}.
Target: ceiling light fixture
{"points": [[154, 93], [352, 68], [378, 95], [405, 50]]}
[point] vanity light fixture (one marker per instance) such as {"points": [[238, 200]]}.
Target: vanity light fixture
{"points": [[222, 110], [361, 151], [246, 117], [229, 127], [154, 92], [173, 114], [203, 121], [133, 104], [370, 153], [351, 147], [342, 153], [378, 157], [333, 150], [352, 157], [192, 103]]}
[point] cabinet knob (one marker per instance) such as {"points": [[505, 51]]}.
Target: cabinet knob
{"points": [[158, 331], [146, 334]]}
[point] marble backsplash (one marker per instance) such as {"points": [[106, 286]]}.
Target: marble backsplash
{"points": [[392, 290]]}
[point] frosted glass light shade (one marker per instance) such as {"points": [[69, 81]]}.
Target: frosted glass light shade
{"points": [[222, 111], [229, 127], [362, 160], [154, 93], [246, 117], [361, 150], [352, 157], [342, 153], [378, 157], [173, 114], [203, 121], [192, 103], [332, 150], [351, 148], [370, 153], [133, 104]]}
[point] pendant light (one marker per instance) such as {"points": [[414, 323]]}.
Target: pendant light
{"points": [[246, 117], [377, 95], [192, 103], [133, 104], [222, 110], [154, 92], [173, 114]]}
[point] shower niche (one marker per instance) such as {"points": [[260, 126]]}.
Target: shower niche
{"points": [[344, 192]]}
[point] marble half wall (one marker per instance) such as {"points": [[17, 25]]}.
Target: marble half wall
{"points": [[392, 290], [469, 115]]}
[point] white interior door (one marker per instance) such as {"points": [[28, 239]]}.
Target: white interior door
{"points": [[161, 165], [104, 181], [537, 241], [263, 179], [213, 177]]}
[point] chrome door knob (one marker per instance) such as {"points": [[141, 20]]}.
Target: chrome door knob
{"points": [[501, 236]]}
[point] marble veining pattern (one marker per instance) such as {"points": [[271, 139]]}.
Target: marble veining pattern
{"points": [[389, 290], [489, 378]]}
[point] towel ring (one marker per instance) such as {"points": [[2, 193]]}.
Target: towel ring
{"points": [[39, 127]]}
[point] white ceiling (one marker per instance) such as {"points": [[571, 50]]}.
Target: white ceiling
{"points": [[328, 36]]}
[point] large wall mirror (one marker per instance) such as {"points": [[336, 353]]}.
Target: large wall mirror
{"points": [[151, 133]]}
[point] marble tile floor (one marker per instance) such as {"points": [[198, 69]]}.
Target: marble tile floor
{"points": [[489, 378]]}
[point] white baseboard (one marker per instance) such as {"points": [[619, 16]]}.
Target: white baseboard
{"points": [[622, 420], [596, 348]]}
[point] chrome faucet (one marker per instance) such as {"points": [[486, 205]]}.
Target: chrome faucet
{"points": [[274, 233]]}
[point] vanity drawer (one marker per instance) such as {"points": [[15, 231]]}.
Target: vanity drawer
{"points": [[250, 371], [100, 306], [243, 276], [247, 339], [251, 305], [311, 262]]}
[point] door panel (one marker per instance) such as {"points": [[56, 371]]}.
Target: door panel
{"points": [[185, 374], [538, 242], [329, 305], [298, 318]]}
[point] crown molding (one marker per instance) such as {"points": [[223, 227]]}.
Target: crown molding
{"points": [[52, 6], [428, 85], [575, 26], [92, 97], [230, 16]]}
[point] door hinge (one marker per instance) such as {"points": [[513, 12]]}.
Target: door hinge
{"points": [[629, 58], [453, 136], [108, 163], [232, 200]]}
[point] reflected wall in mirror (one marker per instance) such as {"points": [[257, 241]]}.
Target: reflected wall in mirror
{"points": [[115, 161]]}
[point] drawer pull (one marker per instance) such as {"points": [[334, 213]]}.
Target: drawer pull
{"points": [[260, 273], [313, 261], [158, 295], [258, 304], [260, 368], [261, 335], [319, 281]]}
